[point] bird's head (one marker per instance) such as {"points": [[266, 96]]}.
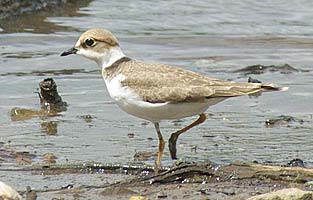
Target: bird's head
{"points": [[99, 45]]}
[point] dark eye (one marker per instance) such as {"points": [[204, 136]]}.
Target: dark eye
{"points": [[89, 42]]}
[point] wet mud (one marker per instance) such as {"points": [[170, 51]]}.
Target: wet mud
{"points": [[185, 181], [8, 155], [261, 69], [19, 15], [283, 120]]}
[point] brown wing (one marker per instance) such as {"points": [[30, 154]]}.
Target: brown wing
{"points": [[158, 83]]}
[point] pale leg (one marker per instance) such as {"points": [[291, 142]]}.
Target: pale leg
{"points": [[161, 144]]}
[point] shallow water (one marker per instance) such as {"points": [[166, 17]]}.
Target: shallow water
{"points": [[211, 37]]}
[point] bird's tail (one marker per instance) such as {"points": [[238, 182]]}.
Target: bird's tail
{"points": [[238, 89], [269, 87]]}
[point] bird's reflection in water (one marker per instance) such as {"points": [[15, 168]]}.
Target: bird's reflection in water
{"points": [[49, 128]]}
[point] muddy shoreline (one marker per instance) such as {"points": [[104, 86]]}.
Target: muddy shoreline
{"points": [[185, 181], [14, 8]]}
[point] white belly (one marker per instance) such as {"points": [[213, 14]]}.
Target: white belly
{"points": [[131, 103], [163, 111]]}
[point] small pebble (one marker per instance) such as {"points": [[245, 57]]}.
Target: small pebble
{"points": [[69, 186], [205, 191], [138, 198], [252, 80], [161, 195], [309, 184]]}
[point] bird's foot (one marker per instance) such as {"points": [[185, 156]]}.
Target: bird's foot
{"points": [[157, 168]]}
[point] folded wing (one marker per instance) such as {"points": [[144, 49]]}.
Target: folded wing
{"points": [[158, 83]]}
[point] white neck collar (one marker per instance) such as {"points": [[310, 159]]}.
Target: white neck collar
{"points": [[110, 57]]}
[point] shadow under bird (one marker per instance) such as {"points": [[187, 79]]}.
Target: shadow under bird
{"points": [[157, 92]]}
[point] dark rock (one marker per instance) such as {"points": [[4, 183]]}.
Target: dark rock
{"points": [[279, 121], [228, 192], [88, 118], [69, 186], [296, 163], [205, 191], [161, 195], [51, 104], [50, 99], [251, 80]]}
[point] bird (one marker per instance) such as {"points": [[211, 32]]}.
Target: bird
{"points": [[157, 92]]}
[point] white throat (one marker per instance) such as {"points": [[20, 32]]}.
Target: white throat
{"points": [[110, 57]]}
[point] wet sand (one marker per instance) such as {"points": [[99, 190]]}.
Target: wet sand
{"points": [[183, 181]]}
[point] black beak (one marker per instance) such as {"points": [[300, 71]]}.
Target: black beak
{"points": [[70, 51]]}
